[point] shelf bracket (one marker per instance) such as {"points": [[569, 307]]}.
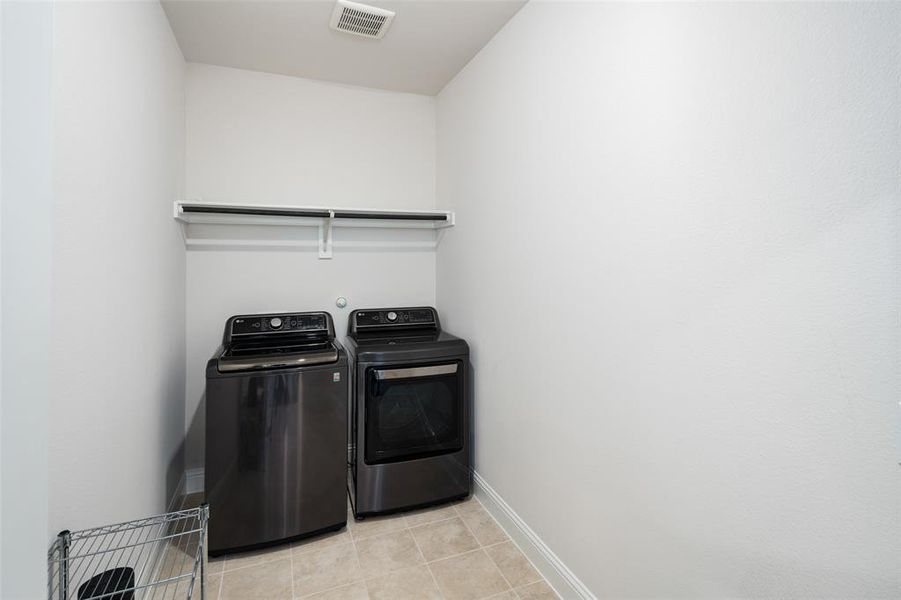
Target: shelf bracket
{"points": [[325, 236]]}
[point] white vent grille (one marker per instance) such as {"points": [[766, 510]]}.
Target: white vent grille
{"points": [[359, 19]]}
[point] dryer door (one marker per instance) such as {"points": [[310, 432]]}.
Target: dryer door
{"points": [[413, 411]]}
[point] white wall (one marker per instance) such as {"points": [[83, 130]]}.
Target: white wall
{"points": [[117, 376], [25, 192], [257, 137], [269, 139], [677, 262]]}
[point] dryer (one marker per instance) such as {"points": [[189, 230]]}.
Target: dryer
{"points": [[410, 411]]}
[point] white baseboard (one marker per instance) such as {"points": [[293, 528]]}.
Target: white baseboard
{"points": [[564, 581], [175, 500], [194, 481]]}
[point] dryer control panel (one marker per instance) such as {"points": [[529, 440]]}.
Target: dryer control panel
{"points": [[388, 318]]}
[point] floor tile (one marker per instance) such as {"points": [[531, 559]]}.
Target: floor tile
{"points": [[430, 515], [256, 557], [371, 526], [178, 562], [321, 541], [179, 589], [354, 591], [267, 581], [413, 583], [468, 576], [444, 538], [214, 566], [428, 554], [325, 569], [537, 591], [178, 557], [468, 505], [213, 585], [484, 527], [382, 554], [513, 564]]}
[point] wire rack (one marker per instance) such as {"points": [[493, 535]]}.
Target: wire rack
{"points": [[157, 558]]}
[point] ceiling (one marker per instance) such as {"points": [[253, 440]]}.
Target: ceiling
{"points": [[426, 45]]}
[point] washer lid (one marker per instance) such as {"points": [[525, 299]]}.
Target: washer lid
{"points": [[293, 353]]}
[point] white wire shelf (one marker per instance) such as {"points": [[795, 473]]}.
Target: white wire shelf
{"points": [[263, 226]]}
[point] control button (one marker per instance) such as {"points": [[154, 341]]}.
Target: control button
{"points": [[275, 322], [392, 316]]}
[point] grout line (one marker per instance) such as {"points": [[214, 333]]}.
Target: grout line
{"points": [[265, 561], [429, 563], [498, 567], [515, 545], [335, 587], [528, 560], [453, 556], [331, 589], [340, 585], [356, 550], [291, 558], [496, 544], [411, 528], [510, 539], [482, 548], [427, 567], [554, 573], [524, 555], [220, 574]]}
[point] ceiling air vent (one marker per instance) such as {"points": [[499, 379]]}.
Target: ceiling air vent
{"points": [[359, 19]]}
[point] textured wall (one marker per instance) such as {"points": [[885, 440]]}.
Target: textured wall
{"points": [[677, 262]]}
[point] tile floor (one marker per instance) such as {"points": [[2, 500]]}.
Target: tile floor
{"points": [[450, 552]]}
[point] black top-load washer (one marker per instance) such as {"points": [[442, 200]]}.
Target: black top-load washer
{"points": [[276, 431], [410, 420]]}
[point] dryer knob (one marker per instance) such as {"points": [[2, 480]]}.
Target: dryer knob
{"points": [[392, 316], [275, 322]]}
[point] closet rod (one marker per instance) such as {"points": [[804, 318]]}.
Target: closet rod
{"points": [[397, 216], [260, 212], [305, 212]]}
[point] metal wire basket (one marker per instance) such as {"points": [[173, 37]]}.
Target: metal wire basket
{"points": [[159, 558]]}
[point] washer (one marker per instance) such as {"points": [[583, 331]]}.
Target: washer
{"points": [[410, 420], [276, 431]]}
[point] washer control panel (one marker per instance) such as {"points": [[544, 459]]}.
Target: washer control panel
{"points": [[393, 317], [297, 323]]}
